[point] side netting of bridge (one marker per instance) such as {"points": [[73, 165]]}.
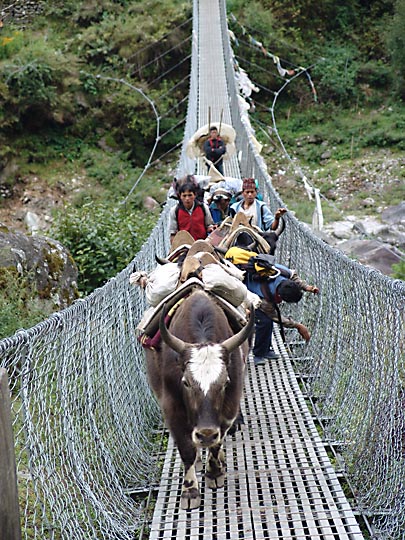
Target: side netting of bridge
{"points": [[85, 420]]}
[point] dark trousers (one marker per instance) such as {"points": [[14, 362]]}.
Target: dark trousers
{"points": [[263, 333]]}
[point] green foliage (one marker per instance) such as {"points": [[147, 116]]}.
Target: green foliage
{"points": [[399, 271], [20, 306], [51, 78], [255, 15], [396, 44], [63, 102], [35, 80], [102, 238], [10, 43], [112, 170], [345, 133], [337, 75]]}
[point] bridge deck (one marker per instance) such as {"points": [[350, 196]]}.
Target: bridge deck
{"points": [[280, 482]]}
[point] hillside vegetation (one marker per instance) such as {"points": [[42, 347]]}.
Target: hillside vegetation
{"points": [[82, 82]]}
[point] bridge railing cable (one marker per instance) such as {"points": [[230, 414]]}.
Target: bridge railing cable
{"points": [[84, 417]]}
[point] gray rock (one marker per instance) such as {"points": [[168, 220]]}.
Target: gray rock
{"points": [[342, 230], [394, 215], [393, 237], [44, 262], [150, 203], [368, 201], [371, 226], [32, 222], [372, 253]]}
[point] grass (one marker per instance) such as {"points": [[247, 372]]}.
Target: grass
{"points": [[349, 155]]}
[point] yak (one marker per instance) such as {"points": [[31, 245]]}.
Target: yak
{"points": [[197, 376]]}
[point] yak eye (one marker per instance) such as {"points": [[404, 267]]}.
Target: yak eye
{"points": [[185, 383], [228, 380]]}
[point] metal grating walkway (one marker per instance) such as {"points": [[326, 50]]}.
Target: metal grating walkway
{"points": [[280, 482]]}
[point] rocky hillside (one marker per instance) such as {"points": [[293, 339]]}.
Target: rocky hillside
{"points": [[363, 206]]}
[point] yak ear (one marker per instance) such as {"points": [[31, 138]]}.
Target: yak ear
{"points": [[235, 341], [178, 345]]}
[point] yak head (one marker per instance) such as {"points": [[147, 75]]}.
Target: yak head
{"points": [[211, 382]]}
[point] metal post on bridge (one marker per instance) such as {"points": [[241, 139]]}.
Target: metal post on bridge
{"points": [[9, 509]]}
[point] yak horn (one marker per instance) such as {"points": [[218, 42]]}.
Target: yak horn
{"points": [[171, 341], [280, 228], [161, 260], [233, 342]]}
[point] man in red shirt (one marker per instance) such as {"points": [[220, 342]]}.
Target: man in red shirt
{"points": [[190, 215]]}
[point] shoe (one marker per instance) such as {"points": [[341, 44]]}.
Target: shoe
{"points": [[259, 360], [271, 355]]}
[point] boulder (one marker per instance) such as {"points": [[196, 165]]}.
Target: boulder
{"points": [[372, 253], [43, 261], [395, 215], [376, 241], [150, 203]]}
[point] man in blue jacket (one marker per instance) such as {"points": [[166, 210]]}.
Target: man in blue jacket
{"points": [[219, 206], [283, 285], [287, 287], [256, 210]]}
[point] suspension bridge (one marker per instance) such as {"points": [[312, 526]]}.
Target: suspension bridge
{"points": [[88, 436]]}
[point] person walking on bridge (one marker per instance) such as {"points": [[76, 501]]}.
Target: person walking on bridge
{"points": [[190, 215], [256, 210], [214, 150], [219, 206], [287, 287]]}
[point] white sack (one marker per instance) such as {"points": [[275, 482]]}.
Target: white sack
{"points": [[218, 281], [162, 281]]}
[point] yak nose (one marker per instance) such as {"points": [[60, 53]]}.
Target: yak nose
{"points": [[207, 436]]}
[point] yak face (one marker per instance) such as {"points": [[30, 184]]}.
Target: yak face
{"points": [[204, 383]]}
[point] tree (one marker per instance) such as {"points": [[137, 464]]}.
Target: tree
{"points": [[396, 45]]}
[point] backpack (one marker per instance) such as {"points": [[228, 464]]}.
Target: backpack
{"points": [[260, 266]]}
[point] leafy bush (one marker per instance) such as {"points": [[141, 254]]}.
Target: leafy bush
{"points": [[35, 80], [399, 270], [396, 44], [10, 43], [337, 75], [102, 239]]}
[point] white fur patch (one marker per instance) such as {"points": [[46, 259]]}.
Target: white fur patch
{"points": [[206, 365]]}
